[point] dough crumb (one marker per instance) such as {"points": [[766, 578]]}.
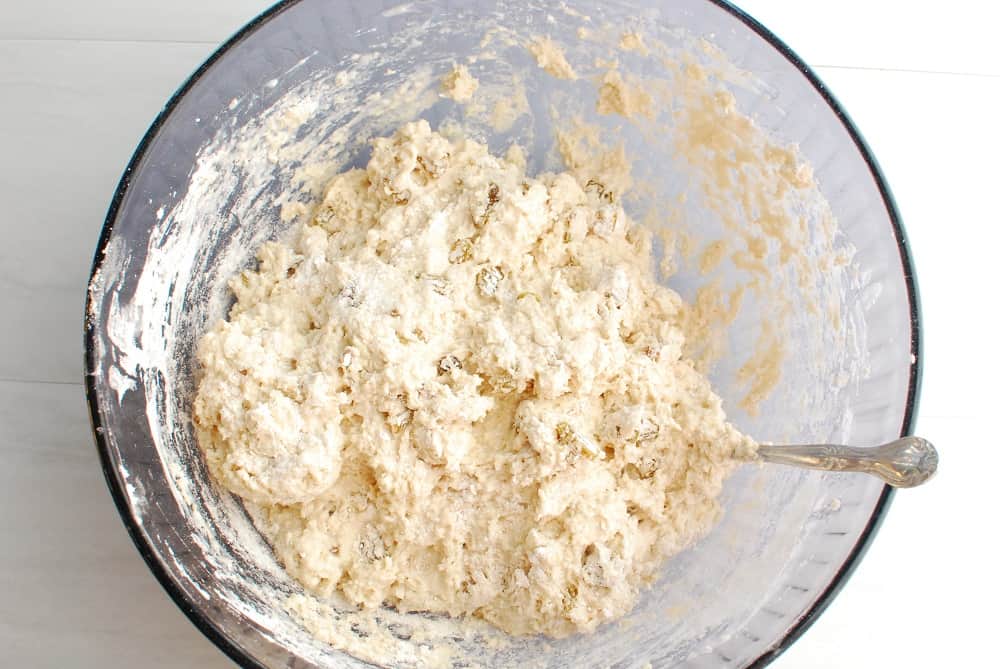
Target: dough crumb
{"points": [[458, 84], [550, 57]]}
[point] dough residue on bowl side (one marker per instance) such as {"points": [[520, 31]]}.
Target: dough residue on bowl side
{"points": [[459, 84], [551, 58]]}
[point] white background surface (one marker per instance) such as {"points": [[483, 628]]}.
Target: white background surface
{"points": [[81, 81]]}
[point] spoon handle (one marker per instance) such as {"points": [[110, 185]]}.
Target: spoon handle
{"points": [[903, 463]]}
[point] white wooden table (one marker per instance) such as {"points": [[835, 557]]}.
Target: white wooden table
{"points": [[81, 81]]}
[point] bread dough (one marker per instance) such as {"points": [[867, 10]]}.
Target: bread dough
{"points": [[461, 390]]}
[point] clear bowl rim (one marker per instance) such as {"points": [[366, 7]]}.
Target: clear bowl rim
{"points": [[188, 605]]}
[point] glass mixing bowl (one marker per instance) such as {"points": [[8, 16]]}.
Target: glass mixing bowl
{"points": [[296, 95]]}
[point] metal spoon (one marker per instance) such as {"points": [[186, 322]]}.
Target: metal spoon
{"points": [[903, 463]]}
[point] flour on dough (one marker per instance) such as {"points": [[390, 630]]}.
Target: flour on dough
{"points": [[461, 390]]}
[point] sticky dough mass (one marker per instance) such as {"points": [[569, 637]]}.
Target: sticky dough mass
{"points": [[461, 390]]}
